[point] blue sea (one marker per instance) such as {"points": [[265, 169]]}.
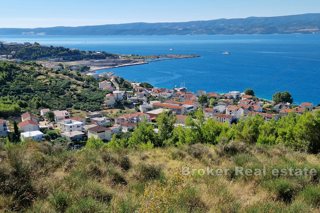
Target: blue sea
{"points": [[265, 63]]}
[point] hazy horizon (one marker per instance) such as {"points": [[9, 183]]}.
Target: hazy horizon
{"points": [[157, 22], [37, 13]]}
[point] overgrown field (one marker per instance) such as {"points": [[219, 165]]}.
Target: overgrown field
{"points": [[46, 178]]}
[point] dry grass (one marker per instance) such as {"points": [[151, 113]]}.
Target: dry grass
{"points": [[152, 180]]}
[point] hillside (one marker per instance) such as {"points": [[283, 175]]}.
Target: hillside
{"points": [[28, 51], [39, 177], [29, 86], [305, 23]]}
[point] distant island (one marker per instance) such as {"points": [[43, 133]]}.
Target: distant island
{"points": [[305, 24], [59, 58]]}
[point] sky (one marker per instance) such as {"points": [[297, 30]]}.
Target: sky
{"points": [[47, 13]]}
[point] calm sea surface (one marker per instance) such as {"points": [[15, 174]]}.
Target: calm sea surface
{"points": [[265, 63]]}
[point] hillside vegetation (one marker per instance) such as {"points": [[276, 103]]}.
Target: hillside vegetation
{"points": [[28, 51], [29, 86], [45, 178]]}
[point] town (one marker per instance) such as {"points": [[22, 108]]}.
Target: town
{"points": [[124, 110]]}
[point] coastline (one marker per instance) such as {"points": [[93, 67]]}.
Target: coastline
{"points": [[94, 69]]}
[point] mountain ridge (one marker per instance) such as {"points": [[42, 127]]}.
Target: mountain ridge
{"points": [[303, 23]]}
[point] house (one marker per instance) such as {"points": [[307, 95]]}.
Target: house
{"points": [[102, 121], [3, 128], [115, 129], [28, 116], [220, 108], [95, 115], [145, 107], [118, 95], [89, 126], [74, 136], [155, 113], [208, 112], [43, 112], [176, 108], [28, 126], [100, 132], [69, 125], [106, 85], [281, 106], [132, 118], [213, 95], [60, 115], [110, 100], [307, 106], [127, 127], [233, 95], [223, 118], [32, 135], [246, 97], [235, 111]]}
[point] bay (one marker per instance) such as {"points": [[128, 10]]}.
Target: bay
{"points": [[265, 63]]}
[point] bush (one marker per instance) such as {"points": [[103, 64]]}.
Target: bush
{"points": [[284, 189], [198, 151], [191, 202], [232, 149], [311, 196], [149, 172], [117, 178], [125, 163], [60, 200]]}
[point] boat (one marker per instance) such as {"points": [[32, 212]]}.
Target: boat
{"points": [[226, 53]]}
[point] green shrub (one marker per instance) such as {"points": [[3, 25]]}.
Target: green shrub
{"points": [[311, 196], [60, 200], [86, 205]]}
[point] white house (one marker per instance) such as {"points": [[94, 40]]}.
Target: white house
{"points": [[118, 95], [32, 135], [69, 125], [223, 118], [235, 111], [100, 132], [235, 94], [3, 128], [28, 126], [220, 108]]}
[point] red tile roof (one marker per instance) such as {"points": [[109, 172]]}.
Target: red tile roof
{"points": [[132, 115], [306, 104], [27, 122], [167, 106]]}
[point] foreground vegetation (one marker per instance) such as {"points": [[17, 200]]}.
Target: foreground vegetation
{"points": [[45, 177]]}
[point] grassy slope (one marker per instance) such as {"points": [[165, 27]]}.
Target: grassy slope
{"points": [[44, 178]]}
